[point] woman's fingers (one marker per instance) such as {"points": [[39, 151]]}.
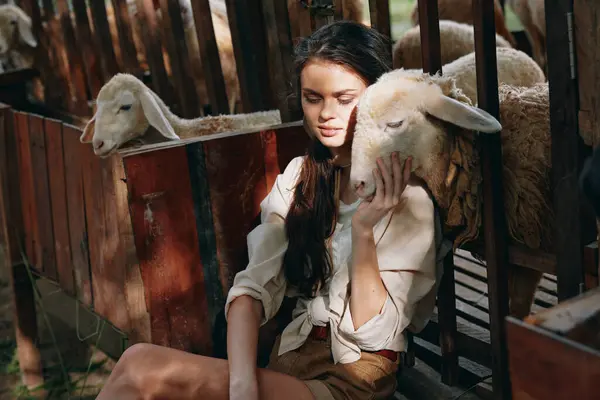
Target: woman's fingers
{"points": [[406, 172], [388, 182], [398, 184], [379, 187]]}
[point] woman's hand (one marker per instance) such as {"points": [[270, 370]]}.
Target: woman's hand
{"points": [[389, 188]]}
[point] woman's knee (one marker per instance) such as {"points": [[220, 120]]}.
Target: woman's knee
{"points": [[136, 369]]}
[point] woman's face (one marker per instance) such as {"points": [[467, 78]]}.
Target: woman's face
{"points": [[330, 93]]}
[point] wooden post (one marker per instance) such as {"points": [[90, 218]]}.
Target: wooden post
{"points": [[494, 222], [279, 45], [249, 45], [380, 16], [567, 147], [209, 53], [432, 63]]}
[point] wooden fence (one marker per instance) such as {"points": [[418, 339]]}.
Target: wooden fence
{"points": [[184, 214], [82, 45]]}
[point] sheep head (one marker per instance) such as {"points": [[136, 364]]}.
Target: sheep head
{"points": [[125, 108], [15, 25], [429, 119]]}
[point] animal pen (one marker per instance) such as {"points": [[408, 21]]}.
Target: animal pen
{"points": [[151, 239]]}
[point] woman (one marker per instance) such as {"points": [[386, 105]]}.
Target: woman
{"points": [[366, 268]]}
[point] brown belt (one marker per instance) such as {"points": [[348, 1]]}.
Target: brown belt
{"points": [[322, 332]]}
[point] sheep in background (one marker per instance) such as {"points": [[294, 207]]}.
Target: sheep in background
{"points": [[514, 68], [456, 40], [532, 15], [17, 42], [429, 118], [450, 9], [126, 108]]}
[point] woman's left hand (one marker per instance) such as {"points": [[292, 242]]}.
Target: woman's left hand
{"points": [[389, 189]]}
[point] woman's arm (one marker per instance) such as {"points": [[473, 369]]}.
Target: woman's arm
{"points": [[244, 316], [368, 294]]}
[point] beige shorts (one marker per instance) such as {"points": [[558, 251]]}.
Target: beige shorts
{"points": [[372, 377]]}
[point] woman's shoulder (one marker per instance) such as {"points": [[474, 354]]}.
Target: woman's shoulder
{"points": [[292, 171]]}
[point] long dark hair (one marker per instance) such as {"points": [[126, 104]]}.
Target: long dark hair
{"points": [[312, 217]]}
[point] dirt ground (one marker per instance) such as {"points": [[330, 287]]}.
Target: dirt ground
{"points": [[65, 359]]}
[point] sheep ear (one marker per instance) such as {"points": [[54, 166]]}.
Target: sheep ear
{"points": [[24, 25], [88, 131], [156, 116], [463, 115]]}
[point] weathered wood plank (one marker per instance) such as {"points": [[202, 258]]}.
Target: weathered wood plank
{"points": [[102, 32], [75, 63], [380, 16], [544, 365], [494, 220], [139, 318], [247, 34], [9, 176], [279, 45], [175, 40], [58, 201], [45, 254], [74, 153], [26, 185], [209, 54], [125, 33], [153, 44], [90, 54], [166, 238]]}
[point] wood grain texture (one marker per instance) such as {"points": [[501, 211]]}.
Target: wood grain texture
{"points": [[58, 202], [166, 239], [545, 366], [78, 237]]}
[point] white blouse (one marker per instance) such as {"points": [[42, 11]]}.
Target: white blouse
{"points": [[409, 255]]}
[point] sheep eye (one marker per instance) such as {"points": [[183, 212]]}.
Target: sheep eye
{"points": [[125, 107], [13, 22], [395, 124]]}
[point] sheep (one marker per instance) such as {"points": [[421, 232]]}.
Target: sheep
{"points": [[514, 67], [126, 108], [430, 119], [448, 9], [456, 40], [17, 42], [532, 15]]}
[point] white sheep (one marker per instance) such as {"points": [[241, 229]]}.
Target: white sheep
{"points": [[462, 11], [532, 15], [514, 67], [456, 40], [17, 42], [429, 119], [126, 108]]}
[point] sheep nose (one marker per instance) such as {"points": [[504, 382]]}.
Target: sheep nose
{"points": [[98, 145], [358, 186]]}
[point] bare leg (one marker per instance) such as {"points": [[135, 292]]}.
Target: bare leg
{"points": [[153, 372]]}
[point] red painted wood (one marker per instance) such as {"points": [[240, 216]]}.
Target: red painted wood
{"points": [[58, 202], [166, 239], [26, 186], [44, 247], [73, 152]]}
